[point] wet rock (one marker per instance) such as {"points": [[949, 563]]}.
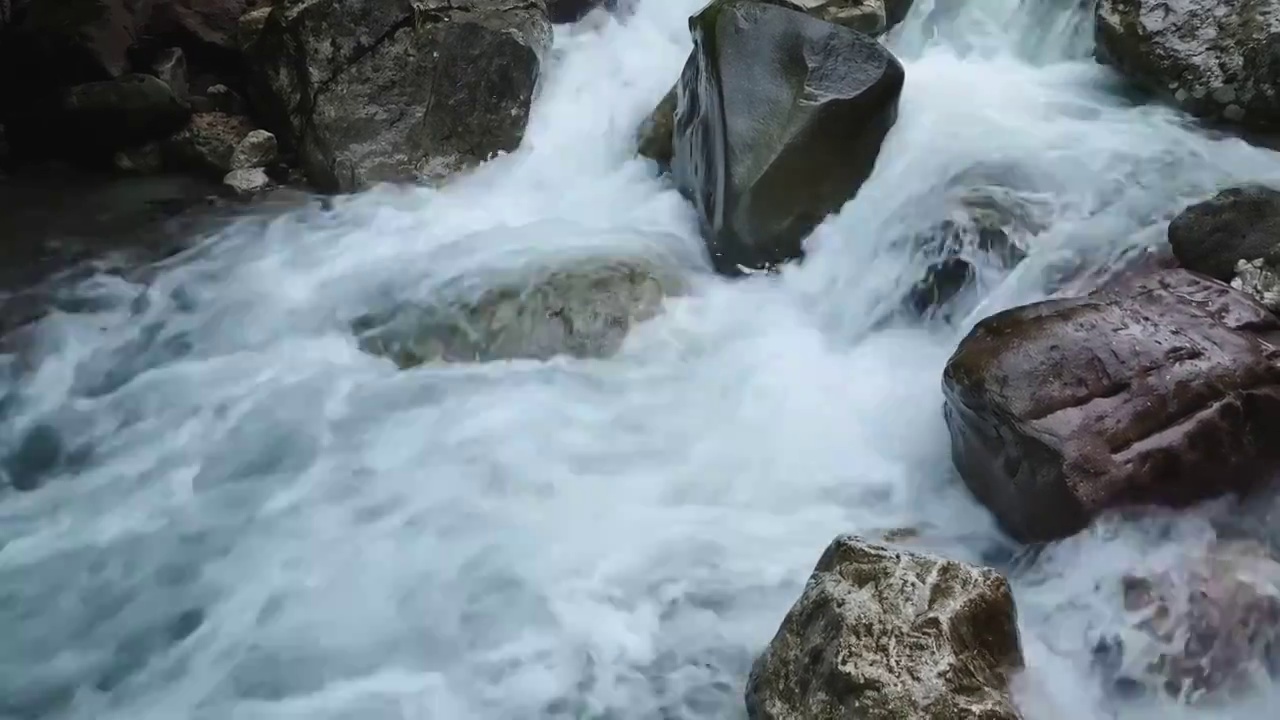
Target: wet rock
{"points": [[873, 17], [171, 67], [247, 181], [1259, 280], [142, 160], [779, 122], [257, 149], [1212, 631], [439, 87], [1158, 389], [888, 634], [988, 228], [208, 142], [584, 310], [1211, 58], [1240, 223], [657, 133]]}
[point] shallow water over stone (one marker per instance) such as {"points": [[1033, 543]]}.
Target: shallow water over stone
{"points": [[228, 510]]}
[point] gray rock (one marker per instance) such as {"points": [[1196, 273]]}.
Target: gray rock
{"points": [[889, 634], [1259, 280], [583, 310], [142, 160], [171, 67], [1212, 58], [247, 181], [250, 26], [1160, 388], [207, 143], [397, 90], [257, 149], [1209, 632], [1240, 223], [778, 123], [223, 99]]}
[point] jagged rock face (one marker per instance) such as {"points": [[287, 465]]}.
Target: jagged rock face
{"points": [[368, 91], [1260, 280], [1160, 389], [583, 310], [778, 123], [1214, 58], [887, 634], [1239, 223], [1211, 632]]}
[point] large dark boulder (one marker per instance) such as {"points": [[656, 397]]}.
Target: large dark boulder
{"points": [[1214, 58], [1241, 223], [887, 634], [393, 90], [779, 121], [1158, 389], [873, 17]]}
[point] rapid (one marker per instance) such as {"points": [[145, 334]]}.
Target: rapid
{"points": [[241, 516]]}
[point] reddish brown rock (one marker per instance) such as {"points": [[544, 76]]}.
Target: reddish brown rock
{"points": [[1157, 390], [1213, 630]]}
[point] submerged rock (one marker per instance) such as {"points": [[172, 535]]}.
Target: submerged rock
{"points": [[584, 310], [1211, 631], [397, 90], [1240, 223], [1156, 390], [1213, 58], [888, 634], [990, 225], [779, 121]]}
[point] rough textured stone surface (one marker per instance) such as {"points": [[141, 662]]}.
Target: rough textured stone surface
{"points": [[1215, 58], [1156, 389], [1241, 223], [1209, 632], [394, 90], [208, 142], [257, 149], [247, 181], [194, 23], [584, 310], [887, 634], [779, 121], [1260, 280]]}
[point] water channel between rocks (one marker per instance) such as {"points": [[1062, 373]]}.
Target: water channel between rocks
{"points": [[243, 516]]}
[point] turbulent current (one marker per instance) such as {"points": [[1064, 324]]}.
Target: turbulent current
{"points": [[229, 511]]}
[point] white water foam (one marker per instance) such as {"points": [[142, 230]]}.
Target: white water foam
{"points": [[242, 516]]}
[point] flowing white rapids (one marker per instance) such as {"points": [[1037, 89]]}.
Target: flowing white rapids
{"points": [[241, 516]]}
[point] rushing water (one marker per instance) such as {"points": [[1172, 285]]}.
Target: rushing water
{"points": [[239, 515]]}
